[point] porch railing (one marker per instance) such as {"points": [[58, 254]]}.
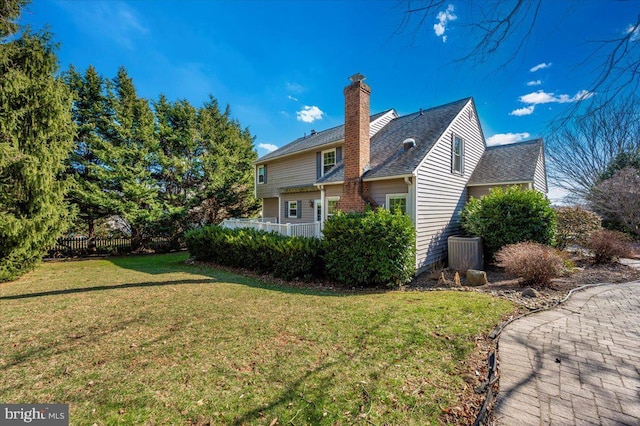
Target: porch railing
{"points": [[289, 229]]}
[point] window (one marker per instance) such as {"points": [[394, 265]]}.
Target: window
{"points": [[332, 203], [328, 160], [397, 202], [292, 209], [457, 155], [262, 174]]}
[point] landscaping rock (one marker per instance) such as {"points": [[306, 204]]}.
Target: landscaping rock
{"points": [[476, 278], [530, 292]]}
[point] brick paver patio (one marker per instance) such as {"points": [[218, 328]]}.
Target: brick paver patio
{"points": [[576, 364]]}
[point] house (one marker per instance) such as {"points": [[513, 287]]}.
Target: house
{"points": [[427, 164]]}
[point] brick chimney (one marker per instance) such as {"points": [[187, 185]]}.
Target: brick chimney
{"points": [[355, 196]]}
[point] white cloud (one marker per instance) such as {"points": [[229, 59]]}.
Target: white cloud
{"points": [[540, 67], [444, 17], [634, 30], [294, 87], [269, 147], [534, 83], [542, 97], [292, 98], [309, 114], [523, 111], [539, 97], [506, 138]]}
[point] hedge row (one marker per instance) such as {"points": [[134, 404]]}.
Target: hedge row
{"points": [[358, 249], [263, 252]]}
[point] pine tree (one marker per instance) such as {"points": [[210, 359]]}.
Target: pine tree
{"points": [[227, 189], [205, 165], [87, 162], [36, 135], [131, 144]]}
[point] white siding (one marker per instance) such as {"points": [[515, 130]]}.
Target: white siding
{"points": [[441, 194], [540, 177], [382, 121]]}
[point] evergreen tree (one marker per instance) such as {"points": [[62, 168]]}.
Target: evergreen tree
{"points": [[205, 165], [88, 160], [227, 189], [130, 147], [36, 135]]}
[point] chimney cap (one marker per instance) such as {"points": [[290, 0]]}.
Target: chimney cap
{"points": [[357, 77]]}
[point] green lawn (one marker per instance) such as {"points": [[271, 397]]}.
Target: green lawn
{"points": [[151, 340]]}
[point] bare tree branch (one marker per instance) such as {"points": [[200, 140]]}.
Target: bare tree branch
{"points": [[496, 24]]}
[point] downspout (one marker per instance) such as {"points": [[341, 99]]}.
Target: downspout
{"points": [[411, 197], [279, 209], [412, 206], [323, 208]]}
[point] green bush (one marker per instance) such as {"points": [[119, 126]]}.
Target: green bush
{"points": [[535, 263], [509, 216], [263, 252], [575, 226], [369, 249]]}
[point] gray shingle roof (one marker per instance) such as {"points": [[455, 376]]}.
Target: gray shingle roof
{"points": [[508, 163], [387, 155], [316, 140]]}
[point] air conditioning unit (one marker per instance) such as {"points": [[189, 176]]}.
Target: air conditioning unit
{"points": [[465, 253]]}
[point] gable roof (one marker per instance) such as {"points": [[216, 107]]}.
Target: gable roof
{"points": [[315, 140], [388, 157], [507, 163]]}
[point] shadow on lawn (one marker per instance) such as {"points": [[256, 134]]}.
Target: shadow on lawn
{"points": [[107, 287], [175, 262]]}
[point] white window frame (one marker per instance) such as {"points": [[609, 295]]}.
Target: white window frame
{"points": [[262, 175], [460, 155], [331, 199], [294, 209], [335, 160], [404, 197]]}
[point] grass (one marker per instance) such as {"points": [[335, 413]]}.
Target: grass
{"points": [[152, 340]]}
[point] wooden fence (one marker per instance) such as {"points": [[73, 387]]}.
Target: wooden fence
{"points": [[79, 246]]}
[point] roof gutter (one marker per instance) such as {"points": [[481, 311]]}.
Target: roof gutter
{"points": [[517, 182], [312, 149]]}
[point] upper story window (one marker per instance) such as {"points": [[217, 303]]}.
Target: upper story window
{"points": [[397, 202], [457, 155], [262, 174], [328, 160]]}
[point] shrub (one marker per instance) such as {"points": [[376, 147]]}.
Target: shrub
{"points": [[370, 249], [535, 263], [608, 245], [263, 252], [509, 216], [575, 226]]}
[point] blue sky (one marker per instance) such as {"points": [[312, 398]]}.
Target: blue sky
{"points": [[282, 65]]}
